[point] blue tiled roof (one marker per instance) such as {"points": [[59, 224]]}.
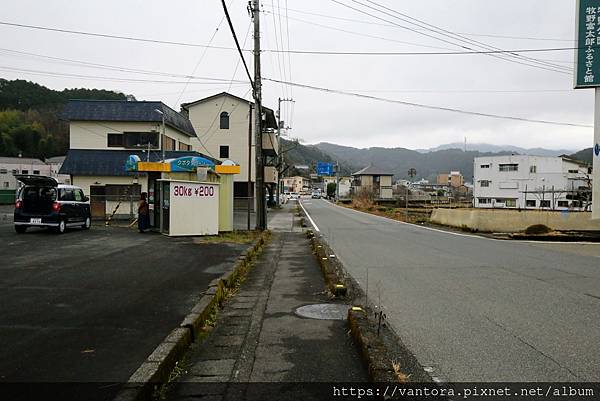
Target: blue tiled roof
{"points": [[122, 110], [90, 162]]}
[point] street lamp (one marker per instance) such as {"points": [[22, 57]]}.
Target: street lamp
{"points": [[162, 137]]}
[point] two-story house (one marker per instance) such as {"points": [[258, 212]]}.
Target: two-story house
{"points": [[225, 130], [104, 133], [531, 182], [374, 181]]}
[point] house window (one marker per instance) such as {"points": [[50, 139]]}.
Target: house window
{"points": [[533, 169], [573, 171], [485, 201], [224, 120], [169, 143], [485, 166], [141, 140], [3, 171], [484, 183], [36, 172], [24, 171], [15, 171], [114, 140], [6, 184], [544, 203], [224, 152], [184, 146], [508, 167], [563, 203], [511, 203], [530, 203]]}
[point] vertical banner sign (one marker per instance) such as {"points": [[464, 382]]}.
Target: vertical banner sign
{"points": [[587, 52], [587, 75]]}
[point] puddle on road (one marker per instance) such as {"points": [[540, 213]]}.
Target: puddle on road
{"points": [[324, 311]]}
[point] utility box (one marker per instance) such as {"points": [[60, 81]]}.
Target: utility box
{"points": [[188, 207]]}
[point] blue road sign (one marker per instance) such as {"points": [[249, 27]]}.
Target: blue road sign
{"points": [[324, 168]]}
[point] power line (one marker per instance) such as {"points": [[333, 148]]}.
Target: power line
{"points": [[308, 52], [237, 44], [454, 36], [104, 35], [432, 36], [116, 79], [430, 107], [202, 56], [281, 73], [461, 33], [112, 67]]}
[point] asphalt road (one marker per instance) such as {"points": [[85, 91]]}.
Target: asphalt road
{"points": [[473, 308], [92, 305]]}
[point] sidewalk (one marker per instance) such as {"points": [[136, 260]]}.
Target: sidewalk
{"points": [[260, 339]]}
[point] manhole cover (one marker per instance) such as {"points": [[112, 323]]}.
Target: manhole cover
{"points": [[324, 311]]}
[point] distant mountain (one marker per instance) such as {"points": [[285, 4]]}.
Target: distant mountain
{"points": [[584, 155], [486, 147], [399, 160]]}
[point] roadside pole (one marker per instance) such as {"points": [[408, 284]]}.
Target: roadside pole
{"points": [[279, 154], [596, 159], [261, 212], [249, 198], [337, 182], [587, 75]]}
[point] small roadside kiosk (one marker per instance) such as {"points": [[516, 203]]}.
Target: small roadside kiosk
{"points": [[190, 195]]}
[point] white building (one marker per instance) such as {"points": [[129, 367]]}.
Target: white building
{"points": [[10, 166], [56, 163], [531, 182], [222, 123]]}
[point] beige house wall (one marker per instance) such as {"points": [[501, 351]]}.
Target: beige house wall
{"points": [[205, 118], [508, 221], [94, 134]]}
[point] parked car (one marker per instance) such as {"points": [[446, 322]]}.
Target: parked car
{"points": [[316, 195], [294, 195], [43, 202]]}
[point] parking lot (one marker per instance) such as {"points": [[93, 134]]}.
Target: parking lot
{"points": [[92, 305]]}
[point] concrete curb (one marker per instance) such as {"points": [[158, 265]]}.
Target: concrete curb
{"points": [[156, 369], [331, 267]]}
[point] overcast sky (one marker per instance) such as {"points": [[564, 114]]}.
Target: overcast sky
{"points": [[479, 83]]}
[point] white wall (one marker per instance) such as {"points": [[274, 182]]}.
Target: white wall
{"points": [[549, 172], [193, 211], [7, 165], [93, 134], [205, 118]]}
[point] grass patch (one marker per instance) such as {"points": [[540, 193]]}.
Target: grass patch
{"points": [[233, 237]]}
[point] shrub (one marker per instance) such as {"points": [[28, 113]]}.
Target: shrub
{"points": [[538, 229]]}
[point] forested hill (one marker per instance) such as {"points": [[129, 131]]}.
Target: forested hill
{"points": [[29, 123]]}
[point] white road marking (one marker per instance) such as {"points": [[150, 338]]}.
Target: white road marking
{"points": [[309, 218]]}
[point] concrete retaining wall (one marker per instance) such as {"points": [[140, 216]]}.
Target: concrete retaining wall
{"points": [[509, 221]]}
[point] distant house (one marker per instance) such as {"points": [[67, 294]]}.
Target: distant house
{"points": [[531, 182], [56, 163], [375, 180], [103, 133], [11, 166], [296, 184], [452, 179]]}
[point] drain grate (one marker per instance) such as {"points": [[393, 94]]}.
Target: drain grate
{"points": [[324, 311]]}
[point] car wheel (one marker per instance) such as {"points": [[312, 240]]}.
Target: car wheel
{"points": [[61, 227], [20, 229], [87, 224]]}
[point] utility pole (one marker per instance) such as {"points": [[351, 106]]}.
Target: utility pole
{"points": [[337, 181], [279, 155], [249, 200], [411, 173], [261, 210]]}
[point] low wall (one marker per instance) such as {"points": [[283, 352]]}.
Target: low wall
{"points": [[509, 221]]}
